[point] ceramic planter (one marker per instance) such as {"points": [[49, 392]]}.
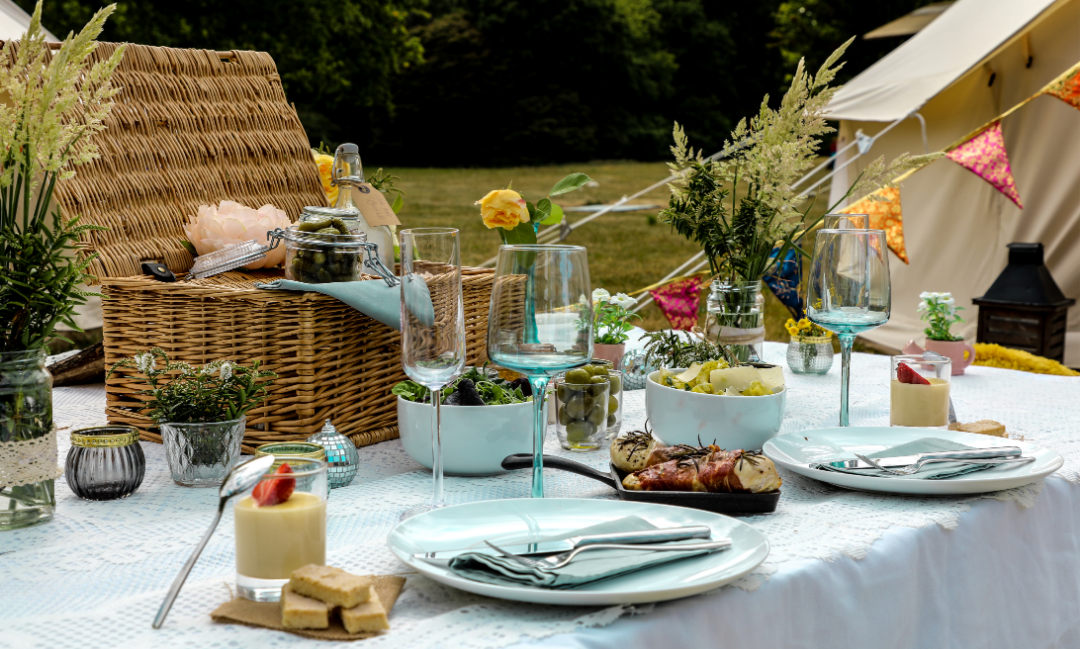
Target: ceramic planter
{"points": [[961, 353], [613, 353]]}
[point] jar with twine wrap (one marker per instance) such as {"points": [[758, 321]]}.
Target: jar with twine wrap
{"points": [[736, 318], [28, 454]]}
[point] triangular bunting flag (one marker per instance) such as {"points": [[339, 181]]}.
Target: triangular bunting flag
{"points": [[678, 301], [885, 215], [1067, 89], [984, 155]]}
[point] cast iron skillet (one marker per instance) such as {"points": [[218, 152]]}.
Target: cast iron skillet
{"points": [[722, 503]]}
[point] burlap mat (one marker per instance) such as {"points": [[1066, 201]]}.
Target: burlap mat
{"points": [[268, 614]]}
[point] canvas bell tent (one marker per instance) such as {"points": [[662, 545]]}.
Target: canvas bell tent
{"points": [[14, 21], [970, 65]]}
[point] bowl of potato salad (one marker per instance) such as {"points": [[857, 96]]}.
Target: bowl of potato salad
{"points": [[712, 403]]}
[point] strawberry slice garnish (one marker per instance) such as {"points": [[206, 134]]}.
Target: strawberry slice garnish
{"points": [[277, 490], [905, 374]]}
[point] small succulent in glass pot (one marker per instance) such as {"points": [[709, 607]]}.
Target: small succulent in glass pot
{"points": [[201, 411]]}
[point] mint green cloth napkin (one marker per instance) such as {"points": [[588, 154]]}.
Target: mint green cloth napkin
{"points": [[932, 471], [586, 568], [371, 297]]}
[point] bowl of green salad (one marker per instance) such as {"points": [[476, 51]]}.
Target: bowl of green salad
{"points": [[484, 419]]}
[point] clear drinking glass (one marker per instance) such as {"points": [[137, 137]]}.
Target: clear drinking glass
{"points": [[541, 323], [432, 325], [274, 540], [914, 403], [581, 413], [848, 291]]}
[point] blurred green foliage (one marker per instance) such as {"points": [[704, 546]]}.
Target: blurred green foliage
{"points": [[500, 82]]}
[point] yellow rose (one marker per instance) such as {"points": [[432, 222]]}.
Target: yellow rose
{"points": [[503, 208], [326, 163]]}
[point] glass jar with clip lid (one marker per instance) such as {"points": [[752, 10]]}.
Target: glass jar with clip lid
{"points": [[318, 255]]}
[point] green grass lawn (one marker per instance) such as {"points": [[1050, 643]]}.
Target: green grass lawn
{"points": [[627, 251]]}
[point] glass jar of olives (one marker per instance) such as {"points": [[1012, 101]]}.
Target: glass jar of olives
{"points": [[614, 417], [322, 251], [582, 401]]}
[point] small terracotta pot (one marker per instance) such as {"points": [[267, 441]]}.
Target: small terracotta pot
{"points": [[613, 353], [955, 350]]}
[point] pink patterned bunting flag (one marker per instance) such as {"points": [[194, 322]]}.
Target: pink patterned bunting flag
{"points": [[678, 301], [984, 155]]}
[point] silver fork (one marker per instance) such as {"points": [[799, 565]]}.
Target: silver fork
{"points": [[915, 468], [557, 561]]}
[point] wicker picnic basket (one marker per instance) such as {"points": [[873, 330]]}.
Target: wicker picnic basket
{"points": [[194, 127]]}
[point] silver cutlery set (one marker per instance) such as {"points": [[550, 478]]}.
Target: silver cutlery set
{"points": [[905, 465], [552, 555]]}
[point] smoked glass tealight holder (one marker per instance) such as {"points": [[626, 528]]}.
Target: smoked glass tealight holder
{"points": [[105, 462], [913, 402], [273, 540]]}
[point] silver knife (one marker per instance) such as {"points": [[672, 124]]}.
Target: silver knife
{"points": [[443, 557], [905, 460]]}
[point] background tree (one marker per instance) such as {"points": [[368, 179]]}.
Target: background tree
{"points": [[335, 57], [502, 82]]}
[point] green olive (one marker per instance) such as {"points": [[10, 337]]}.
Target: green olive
{"points": [[564, 418], [578, 376], [598, 379], [616, 383], [596, 370], [598, 389], [612, 404], [564, 392], [579, 405], [597, 415], [579, 431], [611, 420]]}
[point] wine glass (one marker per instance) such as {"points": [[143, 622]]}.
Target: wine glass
{"points": [[432, 326], [845, 222], [541, 323], [848, 290]]}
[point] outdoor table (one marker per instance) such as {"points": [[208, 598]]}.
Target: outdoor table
{"points": [[846, 568]]}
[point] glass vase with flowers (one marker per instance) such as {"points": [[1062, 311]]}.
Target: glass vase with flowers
{"points": [[810, 350], [762, 164]]}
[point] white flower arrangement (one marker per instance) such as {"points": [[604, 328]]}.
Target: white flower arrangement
{"points": [[612, 316]]}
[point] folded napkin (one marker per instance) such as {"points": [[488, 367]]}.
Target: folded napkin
{"points": [[931, 471], [586, 568], [268, 614], [371, 297]]}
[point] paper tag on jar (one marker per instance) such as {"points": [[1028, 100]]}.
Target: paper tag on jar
{"points": [[373, 206]]}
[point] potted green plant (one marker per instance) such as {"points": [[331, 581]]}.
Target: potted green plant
{"points": [[54, 104], [201, 412], [612, 322], [939, 310]]}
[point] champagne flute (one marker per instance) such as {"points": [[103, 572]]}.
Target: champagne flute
{"points": [[432, 326], [849, 290], [541, 323]]}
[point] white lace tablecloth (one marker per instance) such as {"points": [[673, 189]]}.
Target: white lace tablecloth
{"points": [[96, 574]]}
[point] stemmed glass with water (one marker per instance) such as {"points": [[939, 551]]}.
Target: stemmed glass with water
{"points": [[541, 323], [432, 326], [849, 290]]}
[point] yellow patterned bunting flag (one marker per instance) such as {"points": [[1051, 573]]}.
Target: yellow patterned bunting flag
{"points": [[984, 155], [885, 215]]}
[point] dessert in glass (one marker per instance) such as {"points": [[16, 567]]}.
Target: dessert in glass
{"points": [[280, 526], [919, 390]]}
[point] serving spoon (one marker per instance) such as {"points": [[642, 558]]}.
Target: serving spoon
{"points": [[240, 479]]}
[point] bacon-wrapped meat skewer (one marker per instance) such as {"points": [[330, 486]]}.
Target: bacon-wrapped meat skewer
{"points": [[713, 470]]}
